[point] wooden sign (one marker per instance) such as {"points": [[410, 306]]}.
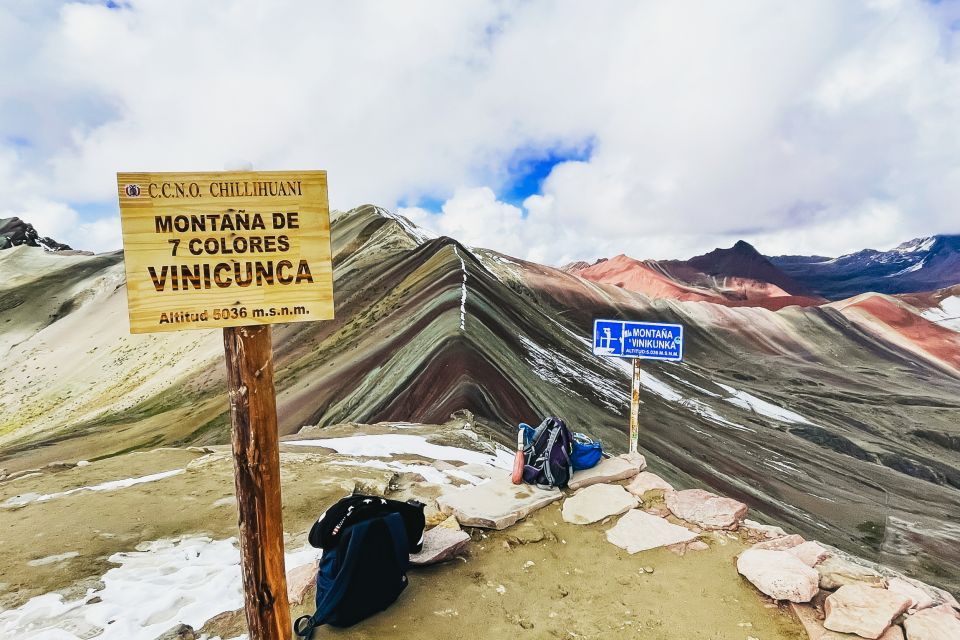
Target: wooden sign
{"points": [[237, 250], [205, 250]]}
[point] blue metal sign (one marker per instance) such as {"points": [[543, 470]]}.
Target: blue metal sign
{"points": [[644, 340]]}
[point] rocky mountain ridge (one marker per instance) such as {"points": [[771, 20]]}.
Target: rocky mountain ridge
{"points": [[14, 232]]}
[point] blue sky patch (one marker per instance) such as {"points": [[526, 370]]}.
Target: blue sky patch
{"points": [[530, 167]]}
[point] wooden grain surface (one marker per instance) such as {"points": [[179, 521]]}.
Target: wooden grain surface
{"points": [[256, 454], [142, 200]]}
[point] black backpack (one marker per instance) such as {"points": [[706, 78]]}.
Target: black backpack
{"points": [[546, 454], [366, 542]]}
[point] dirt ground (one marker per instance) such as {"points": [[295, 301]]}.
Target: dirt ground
{"points": [[542, 578]]}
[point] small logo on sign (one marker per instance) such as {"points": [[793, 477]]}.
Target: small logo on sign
{"points": [[132, 190]]}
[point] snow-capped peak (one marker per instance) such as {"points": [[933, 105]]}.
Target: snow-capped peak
{"points": [[916, 245]]}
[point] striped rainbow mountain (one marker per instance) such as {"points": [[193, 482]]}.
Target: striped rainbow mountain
{"points": [[838, 419]]}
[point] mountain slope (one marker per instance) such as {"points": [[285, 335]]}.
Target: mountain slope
{"points": [[924, 264], [795, 411]]}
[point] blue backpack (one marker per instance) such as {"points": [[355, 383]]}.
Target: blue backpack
{"points": [[366, 553]]}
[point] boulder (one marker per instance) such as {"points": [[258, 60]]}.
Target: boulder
{"points": [[596, 502], [864, 610], [919, 599], [781, 544], [810, 552], [440, 544], [607, 470], [639, 531], [836, 571], [813, 624], [705, 509], [646, 481], [496, 504], [778, 574], [937, 623]]}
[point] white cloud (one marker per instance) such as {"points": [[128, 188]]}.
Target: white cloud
{"points": [[802, 126]]}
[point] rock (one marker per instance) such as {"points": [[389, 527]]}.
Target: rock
{"points": [[698, 545], [607, 470], [442, 465], [646, 481], [836, 571], [450, 523], [527, 533], [179, 632], [440, 544], [768, 531], [937, 623], [919, 599], [299, 581], [813, 625], [496, 504], [59, 465], [635, 458], [638, 531], [706, 509], [778, 574], [780, 544], [864, 610], [810, 552], [484, 471], [596, 502]]}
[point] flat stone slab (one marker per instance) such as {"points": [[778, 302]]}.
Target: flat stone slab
{"points": [[864, 610], [596, 502], [705, 509], [299, 581], [647, 481], [440, 544], [608, 470], [919, 599], [779, 574], [810, 552], [496, 504], [780, 544], [835, 572], [813, 625], [639, 531], [937, 623]]}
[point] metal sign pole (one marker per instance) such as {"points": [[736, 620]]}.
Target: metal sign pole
{"points": [[635, 407], [256, 456]]}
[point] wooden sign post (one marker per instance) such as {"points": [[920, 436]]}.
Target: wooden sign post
{"points": [[635, 408], [241, 251]]}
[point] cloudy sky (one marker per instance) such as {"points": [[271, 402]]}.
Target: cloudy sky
{"points": [[548, 130]]}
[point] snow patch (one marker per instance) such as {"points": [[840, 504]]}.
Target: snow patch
{"points": [[163, 583], [419, 235], [27, 498], [388, 445], [914, 267], [946, 315], [752, 403]]}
